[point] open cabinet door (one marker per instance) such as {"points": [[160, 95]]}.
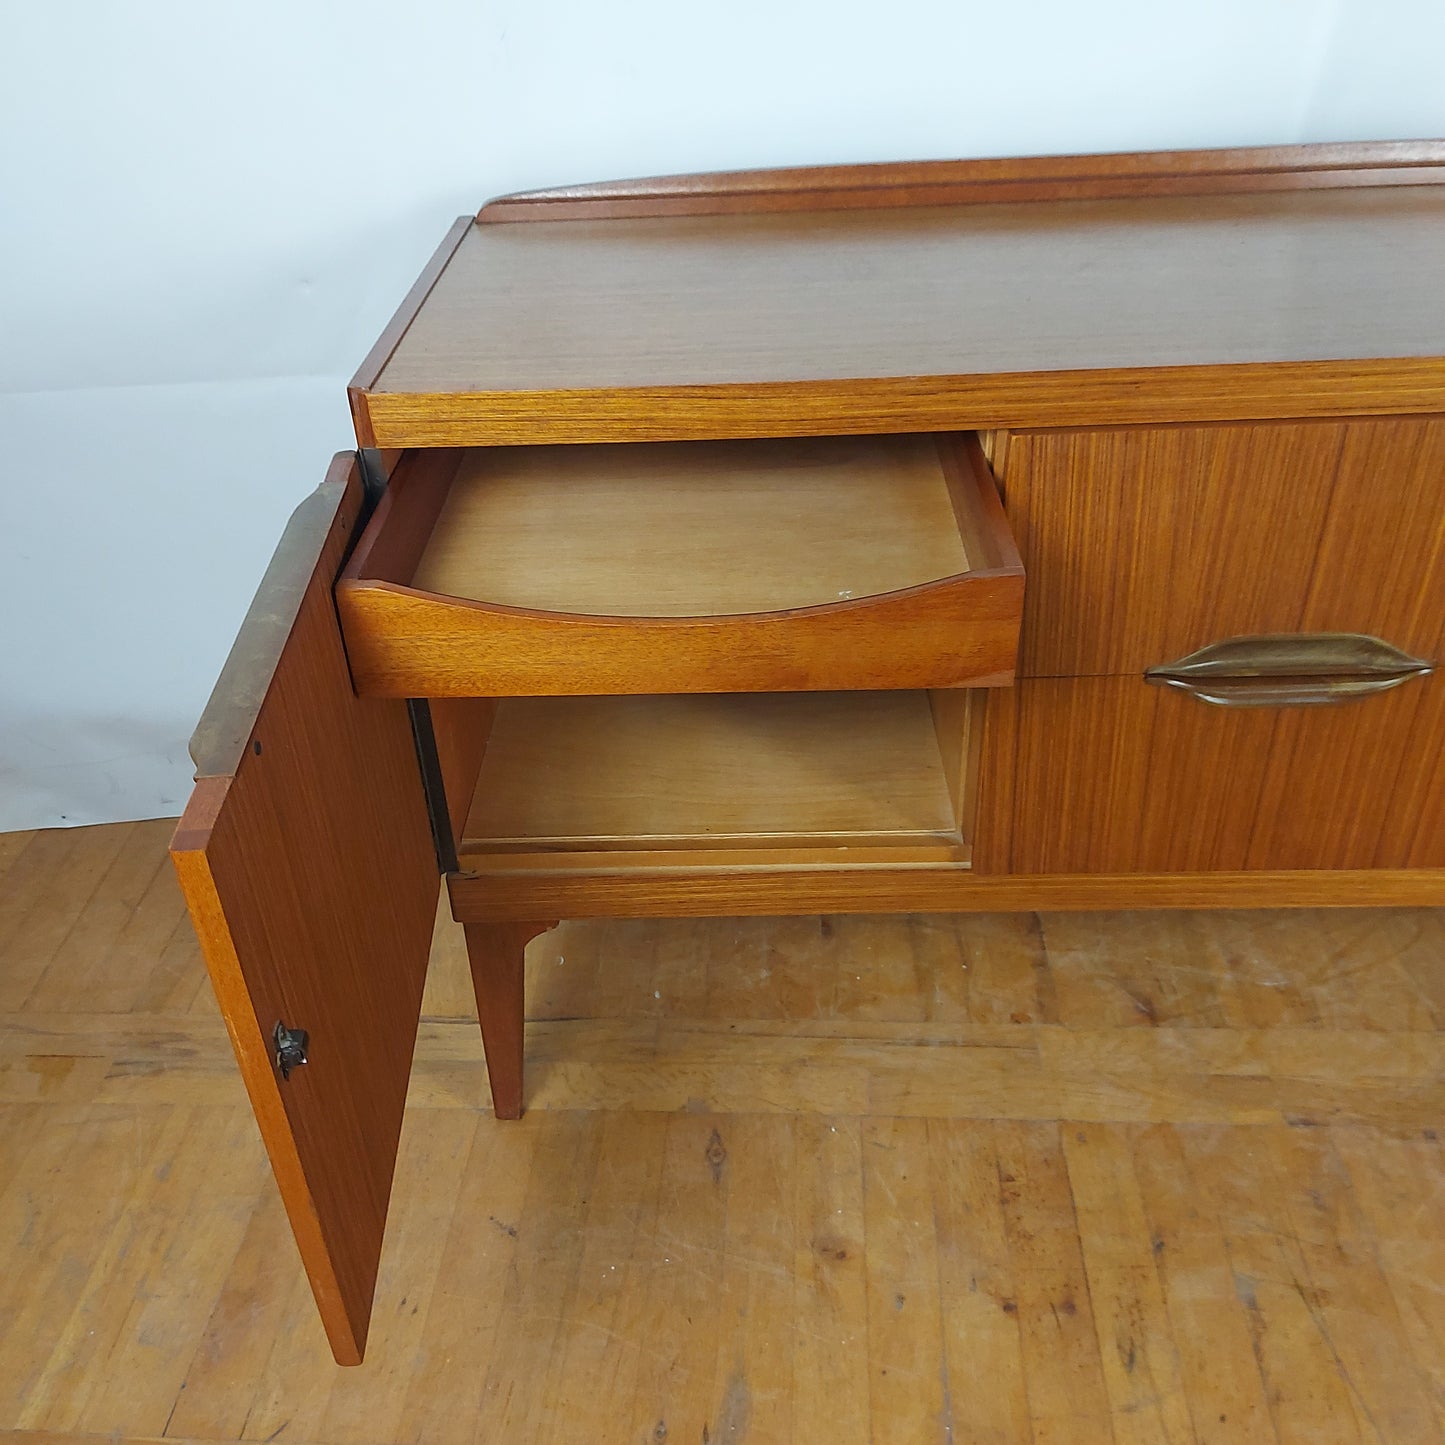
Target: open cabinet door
{"points": [[308, 866]]}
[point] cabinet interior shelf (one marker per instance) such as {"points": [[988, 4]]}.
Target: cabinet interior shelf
{"points": [[790, 778]]}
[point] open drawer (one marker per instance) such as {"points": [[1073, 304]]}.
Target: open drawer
{"points": [[739, 566]]}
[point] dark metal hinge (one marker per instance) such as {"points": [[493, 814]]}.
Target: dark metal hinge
{"points": [[373, 478], [290, 1046], [433, 787]]}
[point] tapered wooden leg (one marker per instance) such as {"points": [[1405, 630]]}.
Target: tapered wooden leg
{"points": [[497, 954]]}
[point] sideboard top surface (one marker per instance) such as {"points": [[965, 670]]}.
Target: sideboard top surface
{"points": [[1034, 312]]}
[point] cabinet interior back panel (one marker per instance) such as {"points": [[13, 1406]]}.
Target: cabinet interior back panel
{"points": [[712, 769]]}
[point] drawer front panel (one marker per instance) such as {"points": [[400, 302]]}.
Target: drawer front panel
{"points": [[1110, 775], [406, 645], [1144, 544]]}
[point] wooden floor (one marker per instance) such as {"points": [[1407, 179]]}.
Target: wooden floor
{"points": [[1151, 1177]]}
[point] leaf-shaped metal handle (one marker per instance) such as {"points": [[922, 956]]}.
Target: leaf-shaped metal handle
{"points": [[1290, 669]]}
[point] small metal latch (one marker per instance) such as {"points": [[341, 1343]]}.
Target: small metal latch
{"points": [[290, 1048]]}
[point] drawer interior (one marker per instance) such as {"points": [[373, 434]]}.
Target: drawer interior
{"points": [[806, 564], [691, 529], [782, 775]]}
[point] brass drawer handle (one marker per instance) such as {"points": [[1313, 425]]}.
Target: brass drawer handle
{"points": [[1303, 669]]}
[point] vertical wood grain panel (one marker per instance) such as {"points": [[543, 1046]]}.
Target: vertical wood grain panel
{"points": [[993, 818], [306, 860], [1415, 827], [1381, 560], [1340, 779], [1143, 544], [462, 726], [1112, 775], [1386, 531]]}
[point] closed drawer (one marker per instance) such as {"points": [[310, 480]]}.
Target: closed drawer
{"points": [[1146, 543], [1112, 775], [798, 565]]}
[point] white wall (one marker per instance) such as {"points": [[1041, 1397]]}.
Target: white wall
{"points": [[207, 213]]}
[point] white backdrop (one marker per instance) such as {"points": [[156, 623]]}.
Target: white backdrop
{"points": [[207, 213]]}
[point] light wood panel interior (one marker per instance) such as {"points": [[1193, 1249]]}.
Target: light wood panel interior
{"points": [[958, 722], [712, 771], [697, 528]]}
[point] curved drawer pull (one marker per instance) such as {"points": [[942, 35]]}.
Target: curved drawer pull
{"points": [[1302, 669]]}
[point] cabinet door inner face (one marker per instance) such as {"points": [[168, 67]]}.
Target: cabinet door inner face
{"points": [[307, 864]]}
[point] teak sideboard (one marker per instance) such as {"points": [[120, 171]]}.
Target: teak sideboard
{"points": [[1018, 534]]}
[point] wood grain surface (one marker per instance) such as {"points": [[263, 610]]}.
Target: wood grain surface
{"points": [[399, 529], [1381, 563], [930, 292], [663, 888], [1114, 776], [1143, 544], [1117, 396], [308, 867], [961, 632], [461, 726], [1146, 543], [694, 529], [908, 318], [705, 563], [497, 954], [937, 182], [728, 771], [380, 353], [1150, 1169]]}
